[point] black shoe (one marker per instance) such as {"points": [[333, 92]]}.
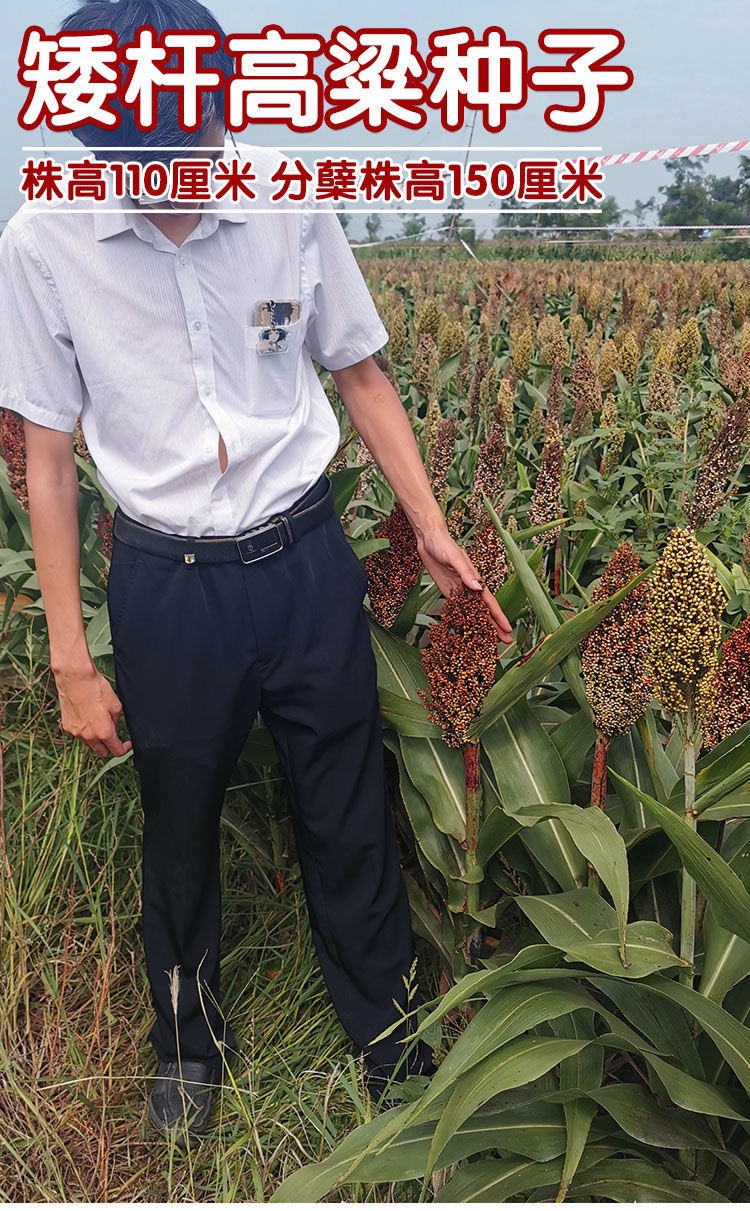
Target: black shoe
{"points": [[382, 1080], [180, 1101]]}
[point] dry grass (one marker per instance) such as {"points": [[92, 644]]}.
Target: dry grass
{"points": [[74, 1003]]}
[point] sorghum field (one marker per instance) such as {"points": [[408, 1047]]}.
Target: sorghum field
{"points": [[573, 809]]}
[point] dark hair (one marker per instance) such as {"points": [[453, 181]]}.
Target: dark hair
{"points": [[124, 17]]}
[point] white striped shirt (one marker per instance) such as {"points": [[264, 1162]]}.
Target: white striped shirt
{"points": [[161, 349]]}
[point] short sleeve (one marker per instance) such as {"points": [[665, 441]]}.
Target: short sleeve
{"points": [[38, 370], [344, 326]]}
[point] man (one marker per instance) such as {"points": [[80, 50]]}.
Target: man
{"points": [[183, 341]]}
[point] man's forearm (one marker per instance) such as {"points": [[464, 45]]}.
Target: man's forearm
{"points": [[53, 511], [381, 420]]}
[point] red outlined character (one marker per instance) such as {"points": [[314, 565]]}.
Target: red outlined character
{"points": [[87, 179], [71, 78], [583, 177], [584, 74], [537, 181], [425, 179], [376, 78], [274, 81], [336, 180], [487, 75], [288, 176], [236, 177], [191, 180], [189, 78], [380, 180], [41, 179]]}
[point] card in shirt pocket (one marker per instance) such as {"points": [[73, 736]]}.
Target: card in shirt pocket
{"points": [[272, 357]]}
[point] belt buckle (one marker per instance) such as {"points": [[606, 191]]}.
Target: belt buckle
{"points": [[275, 521]]}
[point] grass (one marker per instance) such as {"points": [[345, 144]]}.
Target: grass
{"points": [[74, 1001]]}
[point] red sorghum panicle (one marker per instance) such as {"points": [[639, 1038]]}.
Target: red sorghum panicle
{"points": [[459, 661], [546, 502], [441, 457], [79, 442], [732, 703], [719, 464], [487, 553], [585, 394], [684, 604], [425, 370], [554, 410], [488, 470], [13, 449], [614, 664], [392, 571]]}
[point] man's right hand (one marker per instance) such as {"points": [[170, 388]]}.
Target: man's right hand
{"points": [[90, 710]]}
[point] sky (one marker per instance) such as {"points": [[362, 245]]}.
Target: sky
{"points": [[691, 79]]}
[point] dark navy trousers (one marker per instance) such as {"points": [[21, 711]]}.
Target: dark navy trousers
{"points": [[199, 649]]}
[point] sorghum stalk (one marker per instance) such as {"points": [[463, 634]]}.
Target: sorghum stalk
{"points": [[691, 740], [473, 811]]}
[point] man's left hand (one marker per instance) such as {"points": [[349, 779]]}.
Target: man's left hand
{"points": [[448, 564]]}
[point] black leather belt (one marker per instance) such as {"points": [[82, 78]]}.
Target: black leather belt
{"points": [[257, 543]]}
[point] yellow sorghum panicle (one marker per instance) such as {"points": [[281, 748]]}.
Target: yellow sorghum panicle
{"points": [[459, 661], [521, 348], [487, 553], [451, 340], [535, 425], [396, 325], [609, 361], [503, 413], [688, 347], [428, 318], [732, 703], [392, 571], [661, 402], [609, 416], [487, 393], [684, 607], [425, 371], [546, 501], [13, 450], [630, 356], [431, 422], [614, 653], [555, 347], [579, 331], [710, 422], [720, 462]]}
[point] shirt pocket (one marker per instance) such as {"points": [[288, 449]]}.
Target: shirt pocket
{"points": [[272, 364]]}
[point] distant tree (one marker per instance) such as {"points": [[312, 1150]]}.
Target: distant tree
{"points": [[413, 226], [373, 226], [640, 209], [458, 225], [697, 199], [344, 218]]}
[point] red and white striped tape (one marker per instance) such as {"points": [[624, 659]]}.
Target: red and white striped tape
{"points": [[673, 153]]}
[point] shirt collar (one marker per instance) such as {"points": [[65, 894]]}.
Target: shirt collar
{"points": [[120, 217]]}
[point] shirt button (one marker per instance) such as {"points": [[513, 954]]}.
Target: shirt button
{"points": [[197, 325], [205, 392], [182, 260]]}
